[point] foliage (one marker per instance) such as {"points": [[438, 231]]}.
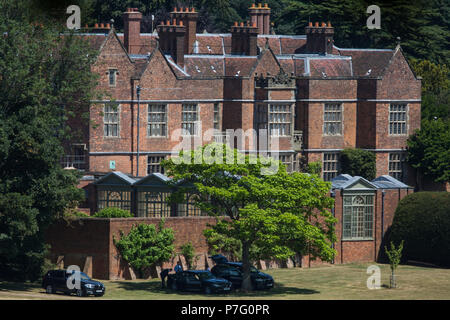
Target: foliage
{"points": [[314, 168], [187, 250], [428, 149], [272, 214], [422, 220], [43, 78], [394, 255], [145, 246], [113, 212], [358, 162], [221, 244]]}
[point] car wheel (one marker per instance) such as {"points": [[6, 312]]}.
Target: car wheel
{"points": [[49, 289], [208, 290], [99, 295], [80, 293]]}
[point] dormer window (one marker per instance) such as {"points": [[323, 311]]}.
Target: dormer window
{"points": [[112, 73]]}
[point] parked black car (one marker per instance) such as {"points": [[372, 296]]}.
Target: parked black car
{"points": [[198, 280], [232, 271], [56, 280]]}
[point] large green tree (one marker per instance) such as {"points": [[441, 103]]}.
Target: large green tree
{"points": [[273, 214], [358, 162], [428, 149], [44, 78]]}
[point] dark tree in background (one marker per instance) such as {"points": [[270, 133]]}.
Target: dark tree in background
{"points": [[44, 79], [358, 162]]}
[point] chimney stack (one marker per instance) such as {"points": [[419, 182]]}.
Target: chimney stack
{"points": [[189, 18], [132, 30], [172, 39], [319, 39], [244, 39], [261, 16]]}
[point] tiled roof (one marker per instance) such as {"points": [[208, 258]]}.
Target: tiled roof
{"points": [[330, 67], [368, 62], [207, 66], [388, 182], [289, 51]]}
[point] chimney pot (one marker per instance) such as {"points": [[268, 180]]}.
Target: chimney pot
{"points": [[235, 23], [310, 24], [323, 24], [316, 24], [168, 22], [193, 9], [253, 5], [102, 25], [174, 22], [108, 26], [266, 6], [254, 25], [181, 22], [242, 24], [259, 5], [186, 9], [175, 9], [96, 25], [329, 24]]}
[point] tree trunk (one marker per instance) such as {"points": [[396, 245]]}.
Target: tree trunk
{"points": [[246, 280]]}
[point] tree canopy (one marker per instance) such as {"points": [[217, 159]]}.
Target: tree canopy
{"points": [[273, 216], [43, 78]]}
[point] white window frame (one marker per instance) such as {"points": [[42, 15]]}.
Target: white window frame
{"points": [[398, 119], [332, 115], [358, 213], [329, 173], [107, 122], [279, 115], [396, 166], [190, 123], [151, 123]]}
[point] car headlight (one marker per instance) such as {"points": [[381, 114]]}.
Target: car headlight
{"points": [[89, 286]]}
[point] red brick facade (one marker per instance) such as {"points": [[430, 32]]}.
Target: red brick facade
{"points": [[337, 98], [205, 70]]}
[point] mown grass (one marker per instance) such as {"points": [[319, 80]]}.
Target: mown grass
{"points": [[324, 283]]}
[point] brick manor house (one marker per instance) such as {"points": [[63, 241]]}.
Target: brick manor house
{"points": [[315, 98]]}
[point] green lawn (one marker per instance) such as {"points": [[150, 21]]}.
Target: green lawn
{"points": [[327, 282]]}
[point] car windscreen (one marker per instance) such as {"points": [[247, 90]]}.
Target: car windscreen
{"points": [[205, 275], [83, 276]]}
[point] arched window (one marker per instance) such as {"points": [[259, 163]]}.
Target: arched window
{"points": [[188, 207], [358, 217], [114, 198], [153, 204]]}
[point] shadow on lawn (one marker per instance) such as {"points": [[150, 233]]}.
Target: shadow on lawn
{"points": [[19, 286], [155, 287]]}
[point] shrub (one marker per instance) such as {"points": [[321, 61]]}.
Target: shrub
{"points": [[146, 246], [113, 213], [358, 162], [187, 250], [314, 168], [422, 220]]}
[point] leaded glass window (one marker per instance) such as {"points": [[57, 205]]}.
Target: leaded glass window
{"points": [[111, 120], [153, 204], [358, 217], [397, 119], [189, 118], [114, 198], [332, 119], [157, 120]]}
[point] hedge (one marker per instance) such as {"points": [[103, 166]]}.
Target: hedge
{"points": [[422, 219], [113, 213]]}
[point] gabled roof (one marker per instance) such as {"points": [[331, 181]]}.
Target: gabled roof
{"points": [[115, 178], [154, 180], [388, 182], [346, 181]]}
